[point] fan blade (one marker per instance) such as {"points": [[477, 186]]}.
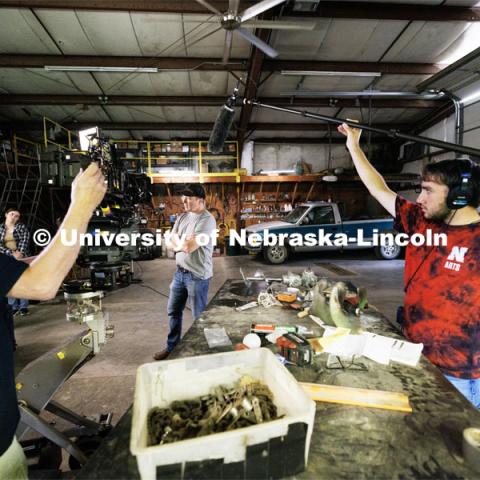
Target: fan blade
{"points": [[228, 46], [280, 25], [233, 6], [209, 7], [259, 8], [203, 37], [260, 44]]}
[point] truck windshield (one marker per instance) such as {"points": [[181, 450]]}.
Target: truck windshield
{"points": [[295, 215]]}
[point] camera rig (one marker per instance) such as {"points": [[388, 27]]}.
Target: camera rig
{"points": [[110, 264]]}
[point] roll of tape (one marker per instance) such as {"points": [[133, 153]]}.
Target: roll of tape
{"points": [[471, 447]]}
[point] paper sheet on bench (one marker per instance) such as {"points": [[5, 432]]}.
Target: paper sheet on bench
{"points": [[378, 348]]}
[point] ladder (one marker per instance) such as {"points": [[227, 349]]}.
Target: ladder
{"points": [[22, 189]]}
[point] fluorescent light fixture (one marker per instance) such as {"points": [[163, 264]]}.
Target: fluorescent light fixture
{"points": [[70, 68], [363, 93], [323, 73]]}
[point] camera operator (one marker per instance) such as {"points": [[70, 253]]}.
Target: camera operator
{"points": [[38, 281]]}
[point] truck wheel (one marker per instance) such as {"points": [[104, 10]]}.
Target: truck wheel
{"points": [[388, 252], [275, 254]]}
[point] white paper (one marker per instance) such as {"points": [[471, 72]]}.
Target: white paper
{"points": [[378, 348], [347, 346], [406, 352]]}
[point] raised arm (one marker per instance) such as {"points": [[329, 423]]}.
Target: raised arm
{"points": [[370, 177], [46, 272]]}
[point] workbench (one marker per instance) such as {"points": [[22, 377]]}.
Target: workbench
{"points": [[348, 442]]}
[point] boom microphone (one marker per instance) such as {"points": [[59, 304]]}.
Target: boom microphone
{"points": [[222, 125]]}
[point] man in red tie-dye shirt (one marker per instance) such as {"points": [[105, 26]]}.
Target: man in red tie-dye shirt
{"points": [[442, 283]]}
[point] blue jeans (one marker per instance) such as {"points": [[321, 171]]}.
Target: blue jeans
{"points": [[17, 304], [468, 387], [184, 286]]}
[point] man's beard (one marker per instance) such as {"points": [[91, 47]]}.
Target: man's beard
{"points": [[439, 215]]}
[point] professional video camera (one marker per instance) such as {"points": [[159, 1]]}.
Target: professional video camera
{"points": [[110, 265]]}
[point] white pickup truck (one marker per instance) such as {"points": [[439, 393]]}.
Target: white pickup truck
{"points": [[322, 220]]}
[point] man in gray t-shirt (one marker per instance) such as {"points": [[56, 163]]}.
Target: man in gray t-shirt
{"points": [[192, 238]]}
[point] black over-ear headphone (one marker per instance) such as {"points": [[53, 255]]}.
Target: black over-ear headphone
{"points": [[461, 194]]}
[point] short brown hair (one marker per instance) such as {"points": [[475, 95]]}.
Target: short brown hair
{"points": [[449, 173], [12, 210]]}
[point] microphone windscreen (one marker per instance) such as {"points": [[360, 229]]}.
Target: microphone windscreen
{"points": [[221, 127]]}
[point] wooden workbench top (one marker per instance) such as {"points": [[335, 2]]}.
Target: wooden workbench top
{"points": [[348, 442]]}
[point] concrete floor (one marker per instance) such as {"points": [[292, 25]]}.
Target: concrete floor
{"points": [[106, 383]]}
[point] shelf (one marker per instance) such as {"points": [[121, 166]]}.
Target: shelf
{"points": [[184, 159], [282, 178], [169, 157], [152, 157], [161, 179], [170, 154]]}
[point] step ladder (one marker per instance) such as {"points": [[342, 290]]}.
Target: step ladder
{"points": [[22, 186], [23, 194]]}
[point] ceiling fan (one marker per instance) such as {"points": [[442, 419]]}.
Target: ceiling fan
{"points": [[232, 21]]}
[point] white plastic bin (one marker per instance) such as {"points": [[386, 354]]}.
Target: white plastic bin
{"points": [[274, 449]]}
